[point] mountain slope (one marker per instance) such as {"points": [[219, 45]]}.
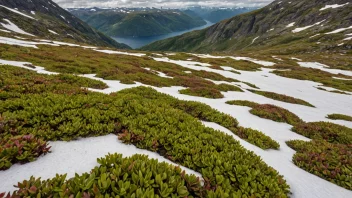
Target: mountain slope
{"points": [[118, 22], [215, 15], [46, 19], [287, 24]]}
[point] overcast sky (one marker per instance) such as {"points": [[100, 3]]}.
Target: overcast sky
{"points": [[159, 3]]}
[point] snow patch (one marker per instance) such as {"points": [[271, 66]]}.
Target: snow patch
{"points": [[5, 31], [119, 52], [333, 6], [53, 32], [314, 35], [254, 39], [339, 30], [306, 27], [293, 58], [323, 67], [73, 157], [17, 12], [40, 70], [291, 25], [302, 183], [11, 26]]}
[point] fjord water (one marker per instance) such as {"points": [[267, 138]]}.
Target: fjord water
{"points": [[137, 42]]}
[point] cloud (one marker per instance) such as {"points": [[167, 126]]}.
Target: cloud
{"points": [[161, 3]]}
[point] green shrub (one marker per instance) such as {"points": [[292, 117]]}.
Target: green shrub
{"points": [[202, 92], [154, 125], [136, 176], [226, 87], [126, 69], [317, 75], [20, 149], [281, 97], [275, 113], [332, 162], [340, 117], [268, 111], [330, 132], [256, 137], [16, 81], [242, 103]]}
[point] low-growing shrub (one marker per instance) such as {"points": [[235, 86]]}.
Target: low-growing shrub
{"points": [[136, 176], [269, 111], [256, 137], [332, 162], [340, 117], [281, 97], [16, 81], [202, 92], [251, 85], [276, 114], [242, 103], [154, 125], [20, 149], [330, 132], [226, 87], [317, 75]]}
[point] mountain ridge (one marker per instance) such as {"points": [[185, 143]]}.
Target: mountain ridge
{"points": [[141, 23], [266, 27], [47, 15]]}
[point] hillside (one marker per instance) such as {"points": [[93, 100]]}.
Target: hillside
{"points": [[214, 14], [283, 26], [137, 22], [47, 20], [91, 121]]}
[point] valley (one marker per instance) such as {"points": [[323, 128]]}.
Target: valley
{"points": [[222, 112], [138, 42]]}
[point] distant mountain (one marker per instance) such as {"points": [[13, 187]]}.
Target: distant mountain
{"points": [[284, 25], [215, 15], [137, 22], [45, 19]]}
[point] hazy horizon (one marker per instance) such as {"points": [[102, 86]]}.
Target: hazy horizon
{"points": [[160, 3]]}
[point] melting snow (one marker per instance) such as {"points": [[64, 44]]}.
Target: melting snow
{"points": [[293, 58], [73, 157], [259, 62], [40, 70], [254, 39], [339, 30], [11, 26], [5, 31], [323, 67], [302, 183], [347, 39], [32, 12], [119, 52], [306, 27], [271, 30], [291, 24], [53, 32], [333, 6], [17, 12], [314, 35], [341, 78]]}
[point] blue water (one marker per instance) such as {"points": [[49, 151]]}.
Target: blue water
{"points": [[137, 42]]}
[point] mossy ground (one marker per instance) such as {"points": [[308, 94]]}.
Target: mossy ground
{"points": [[281, 97], [328, 155], [340, 117], [268, 111], [127, 69]]}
